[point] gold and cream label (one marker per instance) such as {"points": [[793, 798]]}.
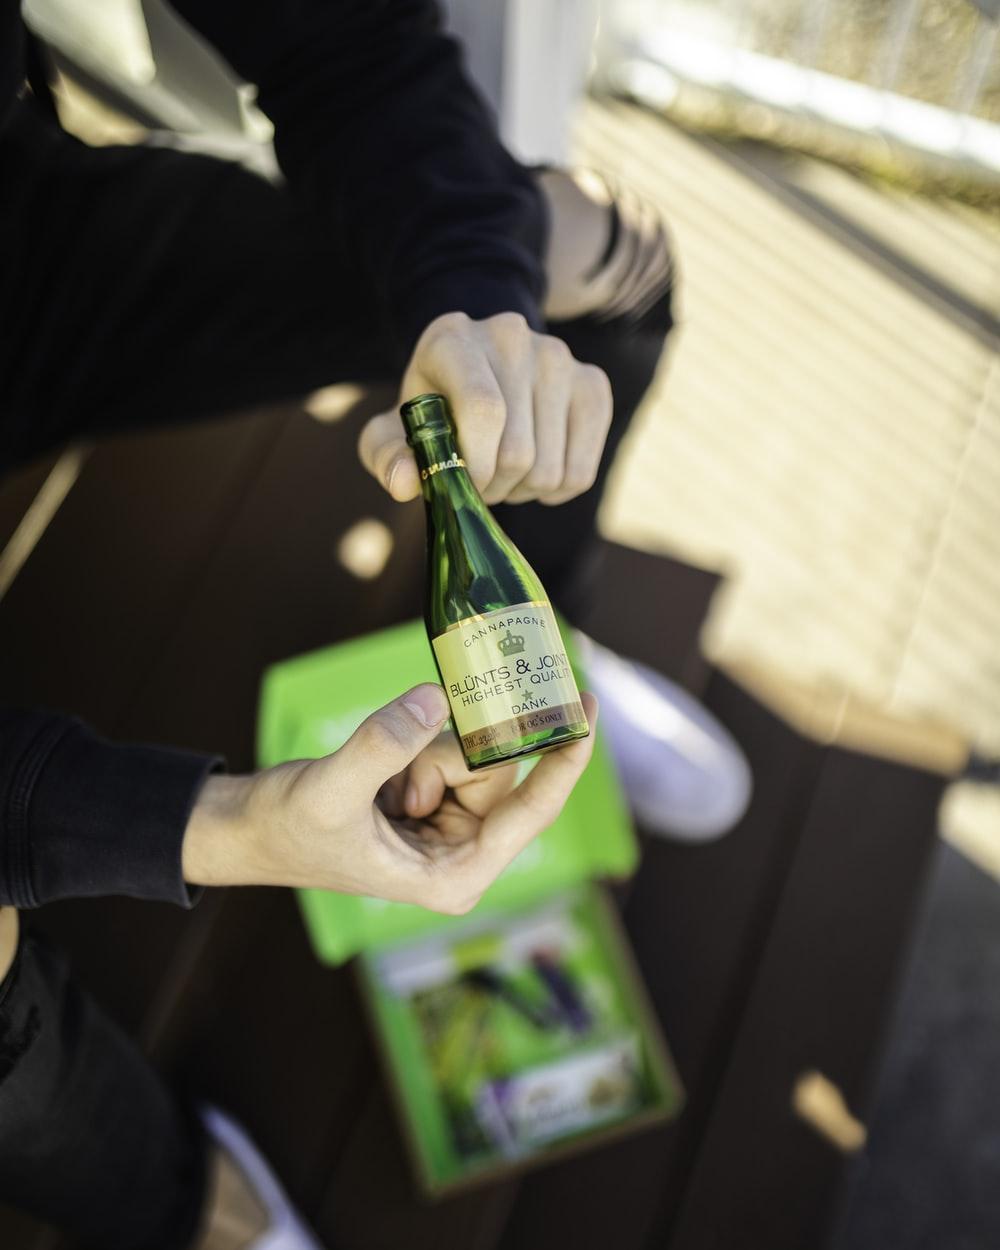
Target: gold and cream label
{"points": [[506, 676], [455, 462]]}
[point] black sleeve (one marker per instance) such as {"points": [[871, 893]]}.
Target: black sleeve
{"points": [[80, 816], [377, 124]]}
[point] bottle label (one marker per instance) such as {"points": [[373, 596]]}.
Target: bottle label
{"points": [[507, 676]]}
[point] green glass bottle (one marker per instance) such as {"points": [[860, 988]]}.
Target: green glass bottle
{"points": [[494, 635]]}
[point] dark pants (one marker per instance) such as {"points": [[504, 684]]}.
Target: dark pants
{"points": [[142, 287], [90, 1138]]}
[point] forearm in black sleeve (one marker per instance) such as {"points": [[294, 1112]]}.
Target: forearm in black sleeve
{"points": [[376, 122], [81, 816]]}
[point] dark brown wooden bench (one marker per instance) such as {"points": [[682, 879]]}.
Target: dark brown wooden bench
{"points": [[184, 562]]}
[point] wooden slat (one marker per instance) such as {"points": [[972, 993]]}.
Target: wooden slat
{"points": [[372, 1199], [85, 617], [21, 1232], [278, 1040], [263, 1028], [17, 490], [271, 587], [82, 622], [829, 423], [39, 514], [664, 625], [266, 491], [101, 592], [697, 917], [823, 984]]}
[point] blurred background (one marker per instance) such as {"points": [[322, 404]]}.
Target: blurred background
{"points": [[825, 436]]}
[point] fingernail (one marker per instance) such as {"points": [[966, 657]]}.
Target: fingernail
{"points": [[394, 468], [427, 704]]}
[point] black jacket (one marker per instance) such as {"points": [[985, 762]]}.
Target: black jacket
{"points": [[377, 125]]}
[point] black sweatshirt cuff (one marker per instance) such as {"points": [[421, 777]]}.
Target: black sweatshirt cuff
{"points": [[85, 817]]}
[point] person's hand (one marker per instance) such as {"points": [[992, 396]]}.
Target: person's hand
{"points": [[394, 814], [531, 419]]}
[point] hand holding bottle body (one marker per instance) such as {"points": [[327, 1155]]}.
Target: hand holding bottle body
{"points": [[394, 814], [532, 420]]}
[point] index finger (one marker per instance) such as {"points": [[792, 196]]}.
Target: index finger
{"points": [[441, 767], [460, 369]]}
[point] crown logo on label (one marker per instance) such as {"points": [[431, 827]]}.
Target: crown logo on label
{"points": [[511, 644]]}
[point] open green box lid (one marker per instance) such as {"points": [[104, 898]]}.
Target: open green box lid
{"points": [[310, 706]]}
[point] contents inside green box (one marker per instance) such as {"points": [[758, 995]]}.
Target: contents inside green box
{"points": [[514, 1035], [522, 1027]]}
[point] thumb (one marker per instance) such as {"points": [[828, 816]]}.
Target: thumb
{"points": [[392, 737], [383, 451]]}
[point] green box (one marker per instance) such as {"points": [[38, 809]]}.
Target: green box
{"points": [[620, 1057], [310, 705]]}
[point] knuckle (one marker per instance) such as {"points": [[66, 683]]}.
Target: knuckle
{"points": [[482, 399], [599, 384], [596, 375], [553, 353], [513, 323], [441, 329], [511, 331], [545, 481], [448, 323], [383, 732], [455, 902], [516, 457], [483, 407], [580, 480]]}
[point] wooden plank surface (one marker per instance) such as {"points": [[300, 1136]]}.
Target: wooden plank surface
{"points": [[277, 1039], [82, 622], [372, 1203], [828, 430], [821, 994], [18, 492], [271, 586], [664, 629], [696, 916], [243, 520], [263, 583], [101, 591], [85, 618]]}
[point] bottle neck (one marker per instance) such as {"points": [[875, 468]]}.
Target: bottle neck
{"points": [[475, 568], [443, 474]]}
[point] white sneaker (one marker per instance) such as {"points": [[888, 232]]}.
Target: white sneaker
{"points": [[683, 774], [286, 1230]]}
